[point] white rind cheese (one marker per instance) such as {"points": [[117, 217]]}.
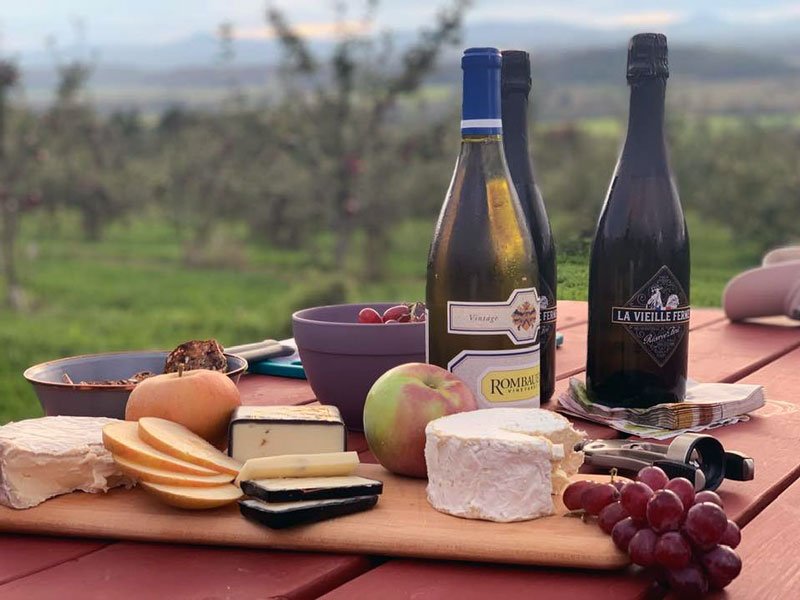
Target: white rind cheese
{"points": [[46, 457], [499, 464]]}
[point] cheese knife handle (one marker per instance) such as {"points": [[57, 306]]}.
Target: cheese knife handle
{"points": [[260, 351]]}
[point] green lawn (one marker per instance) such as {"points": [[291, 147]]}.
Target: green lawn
{"points": [[130, 291]]}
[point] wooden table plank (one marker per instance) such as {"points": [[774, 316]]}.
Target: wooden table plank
{"points": [[769, 550], [132, 570], [263, 390], [770, 437], [428, 580], [571, 313], [729, 351], [22, 555]]}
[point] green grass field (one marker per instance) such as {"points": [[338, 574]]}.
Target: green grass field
{"points": [[131, 291]]}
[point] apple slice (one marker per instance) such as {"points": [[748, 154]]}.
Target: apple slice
{"points": [[177, 440], [154, 475], [195, 498], [122, 439]]}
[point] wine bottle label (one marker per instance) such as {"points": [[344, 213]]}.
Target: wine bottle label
{"points": [[500, 377], [548, 315], [518, 317], [657, 316]]}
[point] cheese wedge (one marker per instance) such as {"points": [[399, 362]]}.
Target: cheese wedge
{"points": [[257, 431], [299, 465], [176, 440], [154, 475], [122, 439], [45, 457], [194, 498]]}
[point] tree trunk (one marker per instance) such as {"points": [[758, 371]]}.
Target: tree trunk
{"points": [[9, 215], [345, 211], [13, 296], [374, 260]]}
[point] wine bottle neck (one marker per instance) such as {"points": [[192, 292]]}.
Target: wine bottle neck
{"points": [[645, 150], [480, 108], [515, 131]]}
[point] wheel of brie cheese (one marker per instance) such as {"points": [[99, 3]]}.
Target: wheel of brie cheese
{"points": [[500, 464]]}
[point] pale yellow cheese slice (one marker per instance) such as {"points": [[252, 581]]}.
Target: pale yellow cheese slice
{"points": [[195, 498], [299, 465], [122, 439], [176, 440], [154, 475]]}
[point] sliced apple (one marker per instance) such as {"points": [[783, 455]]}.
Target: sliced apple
{"points": [[122, 439], [195, 498], [178, 441], [154, 475]]}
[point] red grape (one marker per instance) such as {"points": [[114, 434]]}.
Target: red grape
{"points": [[685, 490], [673, 550], [595, 498], [642, 547], [705, 524], [708, 496], [391, 322], [574, 491], [665, 511], [634, 497], [369, 315], [611, 515], [722, 564], [732, 535], [689, 582], [395, 312], [619, 484], [654, 477], [623, 532]]}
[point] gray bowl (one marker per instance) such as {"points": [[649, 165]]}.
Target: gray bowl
{"points": [[342, 358], [59, 398]]}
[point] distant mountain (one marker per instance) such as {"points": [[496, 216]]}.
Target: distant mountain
{"points": [[607, 65], [541, 36]]}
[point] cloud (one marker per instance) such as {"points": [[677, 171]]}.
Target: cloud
{"points": [[640, 19], [765, 14], [319, 31]]}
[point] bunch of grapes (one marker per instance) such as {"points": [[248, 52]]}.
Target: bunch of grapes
{"points": [[412, 312], [661, 523]]}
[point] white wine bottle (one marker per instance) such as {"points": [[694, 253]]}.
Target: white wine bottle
{"points": [[482, 298]]}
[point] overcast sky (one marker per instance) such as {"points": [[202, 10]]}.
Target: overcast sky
{"points": [[24, 25]]}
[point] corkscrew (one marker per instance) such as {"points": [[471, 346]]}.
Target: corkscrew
{"points": [[699, 458]]}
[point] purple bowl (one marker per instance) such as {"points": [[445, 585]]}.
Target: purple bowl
{"points": [[342, 358]]}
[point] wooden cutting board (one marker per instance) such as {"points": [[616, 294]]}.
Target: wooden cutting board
{"points": [[402, 524]]}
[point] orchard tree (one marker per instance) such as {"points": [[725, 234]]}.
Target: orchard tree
{"points": [[339, 107], [20, 154]]}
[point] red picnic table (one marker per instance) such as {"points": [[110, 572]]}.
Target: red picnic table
{"points": [[768, 509]]}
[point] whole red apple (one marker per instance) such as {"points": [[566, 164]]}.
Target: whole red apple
{"points": [[399, 406]]}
